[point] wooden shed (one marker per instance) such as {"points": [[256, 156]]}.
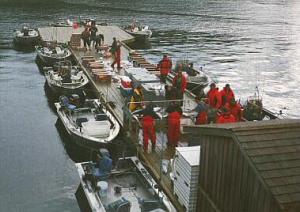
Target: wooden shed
{"points": [[248, 167]]}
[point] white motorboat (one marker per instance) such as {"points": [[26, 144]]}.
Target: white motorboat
{"points": [[53, 53], [127, 187], [26, 37], [87, 121], [65, 78]]}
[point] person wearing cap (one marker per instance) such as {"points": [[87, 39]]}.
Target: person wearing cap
{"points": [[164, 66], [180, 83], [174, 115], [214, 97], [225, 117], [226, 94], [136, 99], [235, 109]]}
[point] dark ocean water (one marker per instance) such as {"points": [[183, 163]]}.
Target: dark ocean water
{"points": [[244, 43]]}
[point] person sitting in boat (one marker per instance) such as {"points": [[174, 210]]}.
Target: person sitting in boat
{"points": [[214, 96], [235, 109], [164, 66], [103, 165], [225, 117], [201, 110], [137, 99], [226, 94], [25, 31]]}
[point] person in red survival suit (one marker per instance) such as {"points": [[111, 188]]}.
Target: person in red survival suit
{"points": [[226, 94], [174, 114], [214, 97], [235, 109], [117, 57], [164, 66], [180, 83], [148, 124], [225, 117]]}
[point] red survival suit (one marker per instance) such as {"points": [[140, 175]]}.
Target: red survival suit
{"points": [[235, 110], [214, 98], [225, 118], [173, 133], [148, 123], [227, 95]]}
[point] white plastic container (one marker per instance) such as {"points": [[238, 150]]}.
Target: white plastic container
{"points": [[103, 187]]}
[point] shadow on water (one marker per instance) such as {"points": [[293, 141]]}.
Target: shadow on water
{"points": [[140, 44]]}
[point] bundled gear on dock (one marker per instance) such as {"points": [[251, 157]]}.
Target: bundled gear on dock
{"points": [[253, 109]]}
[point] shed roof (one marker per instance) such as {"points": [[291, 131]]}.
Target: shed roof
{"points": [[274, 149]]}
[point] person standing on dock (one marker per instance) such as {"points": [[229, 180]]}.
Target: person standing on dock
{"points": [[85, 36], [174, 115], [164, 66], [180, 83], [94, 31], [137, 99], [116, 53], [148, 124]]}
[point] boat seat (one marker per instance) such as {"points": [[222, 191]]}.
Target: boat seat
{"points": [[121, 205], [79, 121], [101, 117], [150, 205], [65, 103]]}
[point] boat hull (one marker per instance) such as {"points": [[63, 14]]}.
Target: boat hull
{"points": [[81, 139], [50, 61]]}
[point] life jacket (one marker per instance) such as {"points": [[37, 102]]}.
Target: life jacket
{"points": [[214, 98], [165, 66], [226, 95], [136, 97]]}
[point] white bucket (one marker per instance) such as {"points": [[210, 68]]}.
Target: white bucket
{"points": [[103, 187]]}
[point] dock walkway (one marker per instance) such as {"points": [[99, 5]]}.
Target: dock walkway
{"points": [[110, 92]]}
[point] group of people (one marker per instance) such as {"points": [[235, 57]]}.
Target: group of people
{"points": [[217, 106], [90, 37]]}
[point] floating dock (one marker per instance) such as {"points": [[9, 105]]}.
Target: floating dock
{"points": [[110, 92]]}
